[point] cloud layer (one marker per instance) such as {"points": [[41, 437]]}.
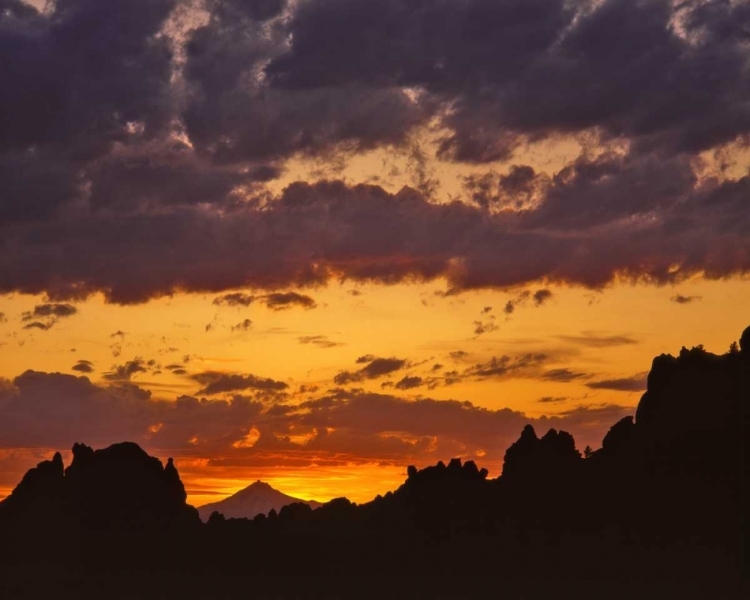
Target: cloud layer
{"points": [[135, 151], [337, 427]]}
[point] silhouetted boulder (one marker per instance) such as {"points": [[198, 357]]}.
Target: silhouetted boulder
{"points": [[297, 511], [216, 518], [39, 491], [471, 470], [122, 485], [174, 483], [745, 341], [619, 437], [117, 487], [532, 458], [520, 457]]}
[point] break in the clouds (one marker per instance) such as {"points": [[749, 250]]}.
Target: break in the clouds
{"points": [[154, 179]]}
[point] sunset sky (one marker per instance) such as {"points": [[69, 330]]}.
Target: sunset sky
{"points": [[315, 241]]}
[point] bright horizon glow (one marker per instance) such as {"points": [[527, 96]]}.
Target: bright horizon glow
{"points": [[383, 321]]}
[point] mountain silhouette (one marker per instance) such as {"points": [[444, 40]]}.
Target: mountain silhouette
{"points": [[257, 498], [660, 510]]}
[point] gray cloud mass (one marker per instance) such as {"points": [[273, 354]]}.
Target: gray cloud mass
{"points": [[134, 159]]}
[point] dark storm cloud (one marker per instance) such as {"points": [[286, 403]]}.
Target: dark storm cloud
{"points": [[493, 60], [148, 177], [137, 171], [75, 79], [636, 383], [132, 259], [373, 369], [235, 114], [218, 383]]}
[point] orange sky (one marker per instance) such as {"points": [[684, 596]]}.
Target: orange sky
{"points": [[313, 243], [607, 335]]}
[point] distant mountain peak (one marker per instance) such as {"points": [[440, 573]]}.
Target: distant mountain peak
{"points": [[257, 498]]}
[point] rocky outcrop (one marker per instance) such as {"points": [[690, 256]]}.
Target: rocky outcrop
{"points": [[533, 458], [116, 487], [39, 492]]}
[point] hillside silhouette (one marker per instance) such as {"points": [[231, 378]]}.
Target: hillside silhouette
{"points": [[658, 511]]}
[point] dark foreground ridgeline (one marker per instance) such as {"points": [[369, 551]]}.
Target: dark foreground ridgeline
{"points": [[660, 511]]}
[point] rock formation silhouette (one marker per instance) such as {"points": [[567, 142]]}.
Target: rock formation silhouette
{"points": [[658, 511]]}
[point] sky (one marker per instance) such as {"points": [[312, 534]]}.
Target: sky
{"points": [[313, 242]]}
